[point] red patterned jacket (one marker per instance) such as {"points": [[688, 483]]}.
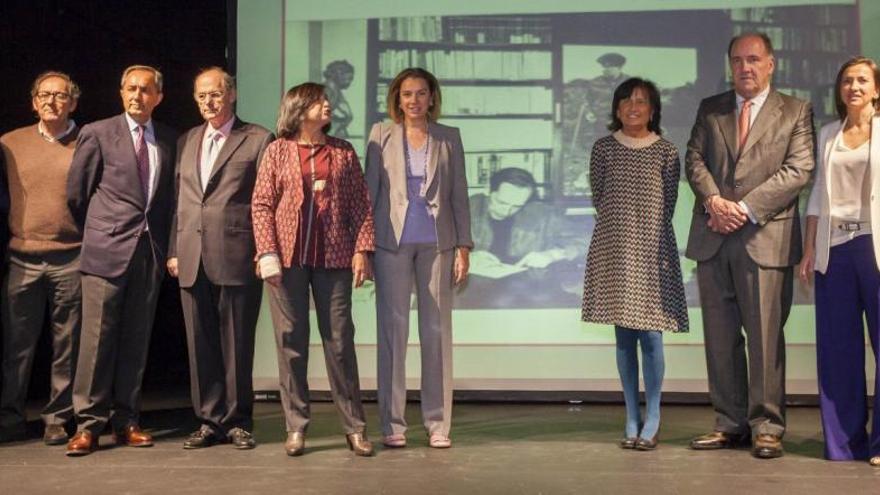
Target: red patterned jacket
{"points": [[278, 196]]}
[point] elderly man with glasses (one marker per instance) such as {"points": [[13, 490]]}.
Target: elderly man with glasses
{"points": [[44, 247]]}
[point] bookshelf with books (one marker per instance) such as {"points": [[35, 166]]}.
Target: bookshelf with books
{"points": [[497, 75]]}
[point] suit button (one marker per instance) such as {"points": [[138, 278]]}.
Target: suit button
{"points": [[737, 185], [199, 231], [136, 235]]}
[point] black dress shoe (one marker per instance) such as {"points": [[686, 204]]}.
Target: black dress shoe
{"points": [[201, 438], [719, 440], [645, 444], [767, 446], [55, 435], [627, 443], [242, 439]]}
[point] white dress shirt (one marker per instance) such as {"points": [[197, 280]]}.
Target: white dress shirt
{"points": [[219, 136]]}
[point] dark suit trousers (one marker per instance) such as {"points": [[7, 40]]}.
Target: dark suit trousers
{"points": [[331, 290], [117, 322], [220, 324], [736, 294], [31, 283]]}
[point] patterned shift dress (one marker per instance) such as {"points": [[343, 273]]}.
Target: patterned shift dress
{"points": [[633, 276]]}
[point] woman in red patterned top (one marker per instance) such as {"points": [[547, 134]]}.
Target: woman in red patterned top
{"points": [[313, 226]]}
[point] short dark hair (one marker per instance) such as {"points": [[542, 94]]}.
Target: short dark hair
{"points": [[768, 45], [294, 105], [515, 176], [625, 90], [857, 60], [394, 93]]}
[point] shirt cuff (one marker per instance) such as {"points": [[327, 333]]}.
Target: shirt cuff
{"points": [[748, 211], [270, 266]]}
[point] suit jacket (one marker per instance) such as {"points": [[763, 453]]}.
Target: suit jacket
{"points": [[278, 197], [775, 163], [820, 196], [446, 184], [214, 227], [105, 196]]}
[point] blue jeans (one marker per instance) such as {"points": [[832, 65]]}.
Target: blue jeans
{"points": [[653, 369]]}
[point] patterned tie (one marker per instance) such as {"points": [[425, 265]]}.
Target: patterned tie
{"points": [[209, 156], [142, 155], [745, 118]]}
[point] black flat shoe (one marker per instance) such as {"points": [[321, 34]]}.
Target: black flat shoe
{"points": [[644, 444], [627, 443]]}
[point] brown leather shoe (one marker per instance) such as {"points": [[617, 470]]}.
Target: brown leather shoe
{"points": [[767, 446], [133, 436], [83, 443], [627, 442], [358, 443], [295, 444], [719, 440], [55, 435]]}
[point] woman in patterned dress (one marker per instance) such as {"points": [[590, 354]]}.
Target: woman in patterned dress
{"points": [[633, 276], [313, 226]]}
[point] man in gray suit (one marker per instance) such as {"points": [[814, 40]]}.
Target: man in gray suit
{"points": [[121, 189], [750, 153], [212, 254]]}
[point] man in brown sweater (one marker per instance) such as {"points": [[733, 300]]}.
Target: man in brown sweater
{"points": [[43, 258]]}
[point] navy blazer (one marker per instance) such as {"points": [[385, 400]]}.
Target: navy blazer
{"points": [[105, 196]]}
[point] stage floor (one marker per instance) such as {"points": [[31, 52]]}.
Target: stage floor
{"points": [[498, 448]]}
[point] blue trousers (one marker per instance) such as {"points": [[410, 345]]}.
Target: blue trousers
{"points": [[653, 367], [849, 290]]}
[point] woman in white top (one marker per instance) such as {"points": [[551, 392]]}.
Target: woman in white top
{"points": [[839, 246]]}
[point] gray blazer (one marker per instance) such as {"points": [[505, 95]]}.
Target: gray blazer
{"points": [[776, 162], [446, 183], [105, 196], [214, 228]]}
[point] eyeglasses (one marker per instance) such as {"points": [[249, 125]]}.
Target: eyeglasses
{"points": [[58, 95], [214, 96]]}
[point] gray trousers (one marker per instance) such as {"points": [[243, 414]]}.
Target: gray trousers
{"points": [[117, 322], [331, 291], [432, 272], [748, 394], [31, 283], [220, 324]]}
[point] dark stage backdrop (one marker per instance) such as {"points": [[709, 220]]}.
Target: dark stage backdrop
{"points": [[94, 41]]}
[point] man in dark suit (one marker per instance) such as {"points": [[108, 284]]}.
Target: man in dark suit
{"points": [[749, 155], [212, 254], [121, 190]]}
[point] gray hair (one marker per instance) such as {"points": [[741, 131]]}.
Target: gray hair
{"points": [[72, 87], [157, 76]]}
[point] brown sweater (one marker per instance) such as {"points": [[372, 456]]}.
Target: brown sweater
{"points": [[36, 171]]}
